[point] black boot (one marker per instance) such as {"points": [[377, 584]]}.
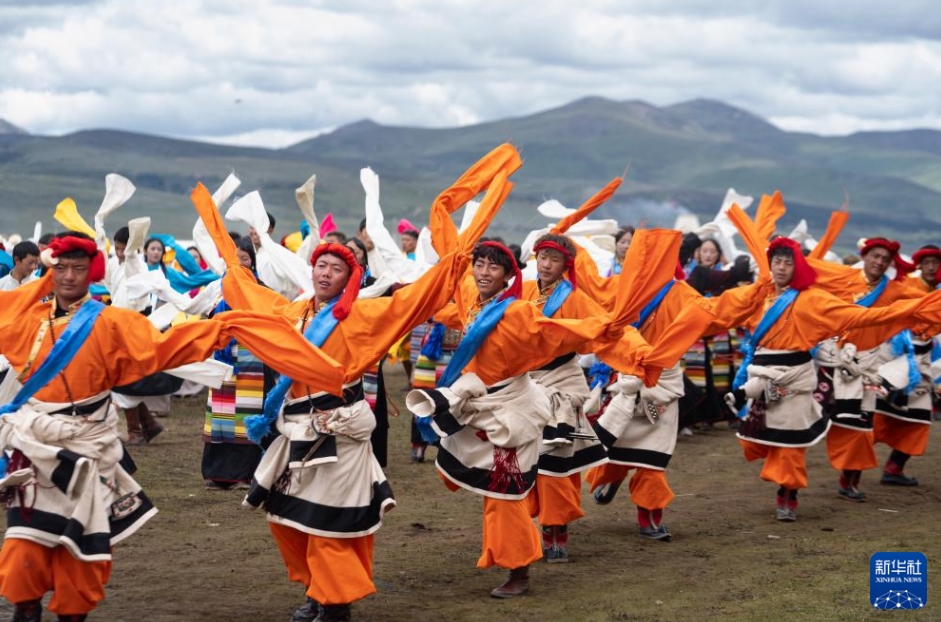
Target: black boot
{"points": [[334, 613], [30, 611], [307, 612]]}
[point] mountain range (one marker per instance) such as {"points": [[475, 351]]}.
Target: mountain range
{"points": [[682, 158]]}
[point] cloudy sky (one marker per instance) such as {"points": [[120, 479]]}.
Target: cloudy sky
{"points": [[273, 72]]}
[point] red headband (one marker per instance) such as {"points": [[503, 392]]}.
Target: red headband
{"points": [[804, 275], [924, 253], [351, 291], [516, 289], [69, 243], [569, 258], [902, 267]]}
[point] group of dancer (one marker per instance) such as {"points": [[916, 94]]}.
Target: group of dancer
{"points": [[291, 344]]}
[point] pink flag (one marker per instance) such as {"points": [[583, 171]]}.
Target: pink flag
{"points": [[326, 225]]}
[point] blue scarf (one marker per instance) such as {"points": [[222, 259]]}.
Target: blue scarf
{"points": [[65, 348], [62, 352], [317, 332], [768, 320], [901, 344], [476, 334], [558, 297]]}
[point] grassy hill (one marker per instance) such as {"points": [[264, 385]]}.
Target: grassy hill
{"points": [[686, 154]]}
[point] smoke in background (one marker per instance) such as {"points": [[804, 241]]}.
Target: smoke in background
{"points": [[652, 213]]}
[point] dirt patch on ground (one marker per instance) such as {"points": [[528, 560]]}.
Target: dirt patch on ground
{"points": [[205, 558]]}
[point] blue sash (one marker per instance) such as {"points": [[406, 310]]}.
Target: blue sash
{"points": [[557, 298], [475, 336], [317, 332], [870, 299], [65, 348], [651, 306], [771, 316]]}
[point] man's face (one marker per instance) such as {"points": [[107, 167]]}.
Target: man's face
{"points": [[119, 248], [408, 243], [330, 277], [26, 266], [490, 277], [154, 253], [333, 238], [70, 279], [876, 262], [782, 270], [550, 265], [929, 269]]}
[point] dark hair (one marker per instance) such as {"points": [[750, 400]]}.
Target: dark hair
{"points": [[494, 255], [929, 247], [245, 244], [361, 246], [495, 238], [623, 230], [235, 235], [411, 233], [561, 240], [517, 251], [122, 235], [782, 251], [45, 238], [339, 235], [24, 249], [362, 225], [271, 221], [193, 248]]}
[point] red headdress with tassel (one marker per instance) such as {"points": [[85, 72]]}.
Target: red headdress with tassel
{"points": [[516, 289], [69, 243], [804, 275], [351, 291], [902, 267], [569, 258], [925, 252]]}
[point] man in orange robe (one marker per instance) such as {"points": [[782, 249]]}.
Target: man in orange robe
{"points": [[68, 484], [903, 418], [850, 366], [491, 419], [322, 488], [570, 446], [784, 418]]}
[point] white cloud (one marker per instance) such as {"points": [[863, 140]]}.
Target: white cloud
{"points": [[240, 70]]}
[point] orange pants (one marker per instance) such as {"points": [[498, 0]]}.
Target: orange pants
{"points": [[511, 539], [29, 570], [556, 500], [336, 571], [785, 466], [649, 488], [850, 450], [910, 438]]}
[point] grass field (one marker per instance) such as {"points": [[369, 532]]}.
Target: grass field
{"points": [[205, 558]]}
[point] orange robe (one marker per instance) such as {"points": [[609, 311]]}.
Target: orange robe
{"points": [[813, 317]]}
